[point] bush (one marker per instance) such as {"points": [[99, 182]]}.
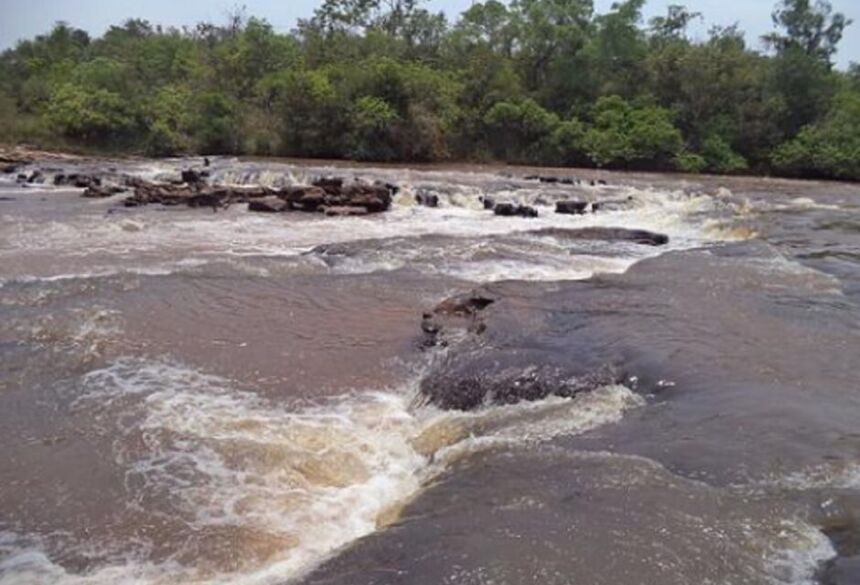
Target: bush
{"points": [[721, 158], [373, 129], [216, 124], [98, 116], [690, 162], [519, 131], [830, 148], [623, 134]]}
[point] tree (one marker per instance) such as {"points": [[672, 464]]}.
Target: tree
{"points": [[518, 131], [810, 28], [674, 25]]}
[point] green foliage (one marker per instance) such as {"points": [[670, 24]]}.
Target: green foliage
{"points": [[720, 158], [89, 114], [830, 148], [532, 81], [373, 123], [518, 131], [625, 135], [216, 124], [690, 162], [170, 122]]}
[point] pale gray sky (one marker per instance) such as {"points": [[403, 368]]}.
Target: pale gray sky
{"points": [[27, 18]]}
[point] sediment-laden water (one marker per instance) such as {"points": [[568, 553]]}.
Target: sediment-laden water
{"points": [[189, 396]]}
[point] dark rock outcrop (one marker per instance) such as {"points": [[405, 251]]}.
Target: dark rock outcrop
{"points": [[146, 193], [194, 177], [512, 209], [571, 207], [35, 177], [461, 313], [427, 199], [481, 383], [326, 195], [269, 204], [553, 180], [77, 180]]}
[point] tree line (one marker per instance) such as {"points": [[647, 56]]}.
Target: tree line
{"points": [[527, 81]]}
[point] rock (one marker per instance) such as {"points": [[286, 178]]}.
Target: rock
{"points": [[304, 198], [21, 178], [489, 203], [511, 209], [465, 305], [193, 177], [270, 204], [552, 180], [344, 211], [571, 207], [331, 185], [606, 234], [461, 312], [36, 177], [427, 199], [206, 161], [8, 169], [101, 191], [613, 205], [77, 180], [375, 198], [477, 384], [364, 198]]}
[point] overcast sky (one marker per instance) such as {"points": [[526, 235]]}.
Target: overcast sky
{"points": [[27, 18]]}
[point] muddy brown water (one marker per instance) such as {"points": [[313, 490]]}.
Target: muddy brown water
{"points": [[199, 397]]}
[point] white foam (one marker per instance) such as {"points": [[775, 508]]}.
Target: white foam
{"points": [[312, 477], [147, 238], [797, 554]]}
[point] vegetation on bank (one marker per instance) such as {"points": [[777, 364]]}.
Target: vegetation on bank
{"points": [[530, 81]]}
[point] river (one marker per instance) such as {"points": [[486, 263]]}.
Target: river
{"points": [[199, 397]]}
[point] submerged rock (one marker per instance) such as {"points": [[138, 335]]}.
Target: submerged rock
{"points": [[606, 234], [344, 211], [101, 191], [612, 205]]}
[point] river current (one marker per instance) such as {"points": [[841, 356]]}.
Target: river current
{"points": [[199, 397]]}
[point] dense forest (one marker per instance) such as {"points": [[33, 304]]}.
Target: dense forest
{"points": [[529, 81]]}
